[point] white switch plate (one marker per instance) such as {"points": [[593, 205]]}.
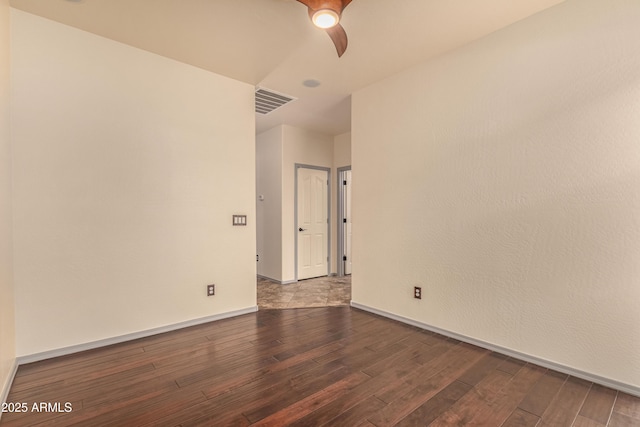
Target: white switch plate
{"points": [[239, 220]]}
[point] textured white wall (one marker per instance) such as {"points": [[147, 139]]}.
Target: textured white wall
{"points": [[504, 178], [7, 328], [269, 211], [128, 168]]}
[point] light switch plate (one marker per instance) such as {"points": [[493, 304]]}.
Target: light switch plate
{"points": [[239, 220]]}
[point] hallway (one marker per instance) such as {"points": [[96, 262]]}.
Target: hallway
{"points": [[318, 292]]}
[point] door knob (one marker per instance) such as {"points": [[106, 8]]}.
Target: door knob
{"points": [[302, 229]]}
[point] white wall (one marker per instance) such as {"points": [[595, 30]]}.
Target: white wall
{"points": [[504, 178], [7, 328], [269, 211], [127, 169]]}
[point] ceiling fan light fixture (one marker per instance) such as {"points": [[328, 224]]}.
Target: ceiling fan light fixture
{"points": [[325, 18]]}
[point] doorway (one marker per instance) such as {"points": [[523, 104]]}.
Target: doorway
{"points": [[312, 221], [344, 221]]}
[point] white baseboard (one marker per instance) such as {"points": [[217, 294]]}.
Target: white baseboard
{"points": [[22, 360], [4, 391], [607, 382]]}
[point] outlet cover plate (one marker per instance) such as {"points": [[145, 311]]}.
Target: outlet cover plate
{"points": [[211, 290]]}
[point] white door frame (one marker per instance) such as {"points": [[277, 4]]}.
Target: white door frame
{"points": [[295, 214], [341, 207]]}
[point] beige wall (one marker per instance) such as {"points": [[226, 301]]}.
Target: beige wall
{"points": [[127, 170], [342, 150], [7, 328], [504, 179]]}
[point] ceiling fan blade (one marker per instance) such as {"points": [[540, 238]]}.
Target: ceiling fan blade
{"points": [[337, 33], [339, 37]]}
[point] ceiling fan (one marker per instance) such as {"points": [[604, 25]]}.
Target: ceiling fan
{"points": [[326, 14]]}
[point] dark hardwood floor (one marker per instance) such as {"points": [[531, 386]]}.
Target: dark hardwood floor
{"points": [[334, 366]]}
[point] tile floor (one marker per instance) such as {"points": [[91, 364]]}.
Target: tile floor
{"points": [[319, 292]]}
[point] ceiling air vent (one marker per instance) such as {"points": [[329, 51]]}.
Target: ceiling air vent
{"points": [[268, 100]]}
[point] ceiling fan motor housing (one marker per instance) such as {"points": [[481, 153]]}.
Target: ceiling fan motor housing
{"points": [[335, 5]]}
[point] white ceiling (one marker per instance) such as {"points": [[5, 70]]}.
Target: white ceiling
{"points": [[272, 44]]}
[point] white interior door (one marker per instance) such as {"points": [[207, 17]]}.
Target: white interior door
{"points": [[313, 224], [347, 223]]}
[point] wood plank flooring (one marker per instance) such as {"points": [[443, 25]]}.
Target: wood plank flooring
{"points": [[333, 366]]}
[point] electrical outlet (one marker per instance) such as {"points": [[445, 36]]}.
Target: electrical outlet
{"points": [[417, 292], [211, 290]]}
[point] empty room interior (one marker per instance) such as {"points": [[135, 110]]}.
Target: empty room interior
{"points": [[177, 201]]}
